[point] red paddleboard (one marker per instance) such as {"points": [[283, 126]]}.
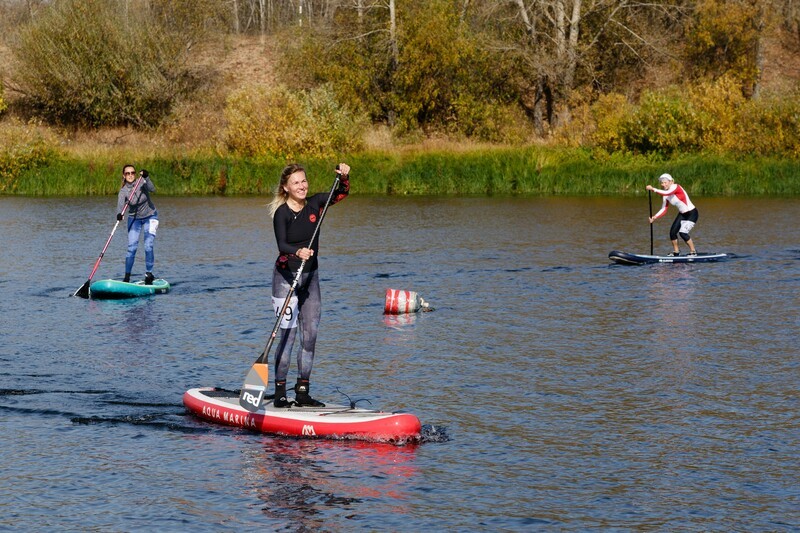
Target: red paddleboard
{"points": [[332, 421]]}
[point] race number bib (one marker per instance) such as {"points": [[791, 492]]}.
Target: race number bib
{"points": [[290, 315], [152, 226], [686, 226]]}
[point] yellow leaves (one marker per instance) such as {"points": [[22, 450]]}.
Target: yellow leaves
{"points": [[274, 121], [707, 117], [608, 112], [22, 146], [722, 39], [3, 103]]}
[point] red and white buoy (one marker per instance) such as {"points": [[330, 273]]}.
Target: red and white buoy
{"points": [[399, 302]]}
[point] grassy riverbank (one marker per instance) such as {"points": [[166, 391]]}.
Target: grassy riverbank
{"points": [[480, 171]]}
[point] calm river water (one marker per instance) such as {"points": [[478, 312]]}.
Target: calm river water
{"points": [[557, 392]]}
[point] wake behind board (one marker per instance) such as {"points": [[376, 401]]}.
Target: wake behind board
{"points": [[109, 289], [624, 258], [332, 421]]}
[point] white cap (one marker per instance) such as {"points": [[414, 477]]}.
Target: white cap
{"points": [[665, 177]]}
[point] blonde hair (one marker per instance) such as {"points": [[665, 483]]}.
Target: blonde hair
{"points": [[280, 195]]}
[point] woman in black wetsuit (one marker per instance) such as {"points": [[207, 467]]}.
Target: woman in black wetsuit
{"points": [[294, 218]]}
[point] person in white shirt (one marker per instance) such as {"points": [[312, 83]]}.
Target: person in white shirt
{"points": [[687, 212]]}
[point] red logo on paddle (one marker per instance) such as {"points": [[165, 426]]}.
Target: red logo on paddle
{"points": [[312, 217]]}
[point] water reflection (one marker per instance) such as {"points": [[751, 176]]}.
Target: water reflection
{"points": [[302, 482], [399, 321]]}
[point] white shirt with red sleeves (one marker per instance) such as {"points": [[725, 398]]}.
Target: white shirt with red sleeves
{"points": [[675, 195]]}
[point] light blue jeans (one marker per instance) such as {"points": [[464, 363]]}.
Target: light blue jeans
{"points": [[135, 226]]}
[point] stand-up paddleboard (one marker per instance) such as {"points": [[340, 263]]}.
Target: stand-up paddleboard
{"points": [[110, 289], [332, 421], [624, 258]]}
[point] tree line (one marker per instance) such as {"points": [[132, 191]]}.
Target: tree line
{"points": [[657, 76]]}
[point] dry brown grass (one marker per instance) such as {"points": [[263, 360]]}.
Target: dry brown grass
{"points": [[781, 63], [234, 61]]}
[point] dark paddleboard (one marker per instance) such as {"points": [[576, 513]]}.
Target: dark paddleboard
{"points": [[624, 258], [112, 289], [221, 406]]}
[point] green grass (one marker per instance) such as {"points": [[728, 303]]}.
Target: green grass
{"points": [[486, 171]]}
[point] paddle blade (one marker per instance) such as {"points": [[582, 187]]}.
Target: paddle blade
{"points": [[83, 292], [254, 388]]}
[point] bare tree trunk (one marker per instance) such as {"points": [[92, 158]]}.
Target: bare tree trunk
{"points": [[561, 29], [523, 13], [235, 5], [393, 34], [543, 106], [395, 52], [262, 8], [759, 51], [572, 47]]}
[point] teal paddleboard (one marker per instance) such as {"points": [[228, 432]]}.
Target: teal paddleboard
{"points": [[108, 289]]}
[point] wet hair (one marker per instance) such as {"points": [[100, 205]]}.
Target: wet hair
{"points": [[281, 195]]}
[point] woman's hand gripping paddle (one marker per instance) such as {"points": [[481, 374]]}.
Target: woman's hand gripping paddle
{"points": [[83, 292], [257, 379]]}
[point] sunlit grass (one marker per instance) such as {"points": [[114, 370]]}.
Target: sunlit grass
{"points": [[478, 170]]}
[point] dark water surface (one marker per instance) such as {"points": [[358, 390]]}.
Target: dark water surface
{"points": [[558, 392]]}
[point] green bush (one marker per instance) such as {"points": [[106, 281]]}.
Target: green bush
{"points": [[609, 112], [664, 122], [711, 117], [718, 105], [768, 127], [23, 147], [475, 118], [100, 63], [277, 122]]}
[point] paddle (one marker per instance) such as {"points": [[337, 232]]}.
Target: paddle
{"points": [[83, 292], [650, 204], [255, 383]]}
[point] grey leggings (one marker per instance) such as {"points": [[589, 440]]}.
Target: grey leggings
{"points": [[309, 311]]}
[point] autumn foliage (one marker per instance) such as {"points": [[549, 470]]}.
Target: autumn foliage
{"points": [[709, 117], [91, 63], [662, 77]]}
